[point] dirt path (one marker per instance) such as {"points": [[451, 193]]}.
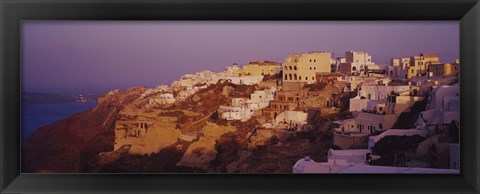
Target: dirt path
{"points": [[189, 128]]}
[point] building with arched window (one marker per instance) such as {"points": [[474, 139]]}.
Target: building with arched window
{"points": [[303, 67], [356, 63]]}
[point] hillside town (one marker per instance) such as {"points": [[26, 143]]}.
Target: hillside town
{"points": [[413, 99], [311, 113]]}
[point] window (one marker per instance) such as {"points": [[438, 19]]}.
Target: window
{"points": [[295, 76], [310, 68], [310, 60], [299, 77], [313, 78], [290, 67], [286, 78], [295, 67], [306, 78], [380, 126], [314, 60], [314, 68]]}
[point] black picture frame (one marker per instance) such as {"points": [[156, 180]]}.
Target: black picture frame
{"points": [[14, 11]]}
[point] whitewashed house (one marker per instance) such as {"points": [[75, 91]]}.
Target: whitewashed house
{"points": [[292, 119], [246, 80], [443, 109], [243, 109]]}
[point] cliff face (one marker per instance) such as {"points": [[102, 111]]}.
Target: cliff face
{"points": [[71, 144], [126, 133], [81, 142]]}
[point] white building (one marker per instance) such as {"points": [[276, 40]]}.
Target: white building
{"points": [[398, 68], [230, 70], [381, 91], [243, 109], [346, 126], [357, 63], [336, 160], [261, 98], [291, 118], [246, 80], [373, 122], [438, 95], [358, 104], [355, 162], [444, 108], [234, 113]]}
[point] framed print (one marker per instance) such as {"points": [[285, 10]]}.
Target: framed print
{"points": [[239, 96]]}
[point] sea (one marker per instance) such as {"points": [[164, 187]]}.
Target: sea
{"points": [[35, 116]]}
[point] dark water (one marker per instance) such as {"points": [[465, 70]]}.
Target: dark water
{"points": [[38, 115]]}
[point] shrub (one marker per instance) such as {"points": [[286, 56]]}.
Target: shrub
{"points": [[388, 146]]}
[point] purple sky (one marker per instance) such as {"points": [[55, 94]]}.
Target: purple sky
{"points": [[88, 56]]}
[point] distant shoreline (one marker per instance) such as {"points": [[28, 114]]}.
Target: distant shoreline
{"points": [[54, 98]]}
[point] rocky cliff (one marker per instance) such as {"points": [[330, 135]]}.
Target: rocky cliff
{"points": [[72, 144], [126, 133]]}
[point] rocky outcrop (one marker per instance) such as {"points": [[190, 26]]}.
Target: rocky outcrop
{"points": [[161, 135], [202, 152]]}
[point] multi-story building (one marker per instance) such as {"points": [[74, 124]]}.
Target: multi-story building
{"points": [[243, 109], [283, 101], [304, 67], [256, 68], [398, 68], [436, 71], [419, 64], [441, 70], [452, 68], [356, 63]]}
